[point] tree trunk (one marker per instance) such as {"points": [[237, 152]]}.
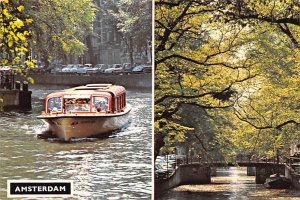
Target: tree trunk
{"points": [[158, 143], [90, 50], [130, 48], [45, 58]]}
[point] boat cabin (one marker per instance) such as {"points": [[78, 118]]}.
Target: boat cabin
{"points": [[91, 98]]}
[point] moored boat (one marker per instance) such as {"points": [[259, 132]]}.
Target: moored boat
{"points": [[277, 181], [85, 111]]}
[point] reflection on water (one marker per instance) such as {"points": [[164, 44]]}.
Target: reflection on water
{"points": [[118, 167], [229, 184]]}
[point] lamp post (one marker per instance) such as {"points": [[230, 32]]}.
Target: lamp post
{"points": [[175, 157], [167, 165]]}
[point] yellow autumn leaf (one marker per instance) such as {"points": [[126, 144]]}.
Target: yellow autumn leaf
{"points": [[29, 20], [19, 23], [30, 80], [11, 33], [6, 13], [26, 33], [20, 8], [4, 61], [21, 36], [10, 43]]}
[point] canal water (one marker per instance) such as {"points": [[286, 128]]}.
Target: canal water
{"points": [[229, 184], [117, 167]]}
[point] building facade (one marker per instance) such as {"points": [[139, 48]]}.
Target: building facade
{"points": [[106, 46]]}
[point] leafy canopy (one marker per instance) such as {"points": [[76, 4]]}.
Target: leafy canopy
{"points": [[236, 60]]}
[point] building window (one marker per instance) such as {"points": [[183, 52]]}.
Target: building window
{"points": [[103, 37]]}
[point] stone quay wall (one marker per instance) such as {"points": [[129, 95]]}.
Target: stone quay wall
{"points": [[9, 97], [264, 171], [184, 174], [15, 99], [293, 176], [128, 81]]}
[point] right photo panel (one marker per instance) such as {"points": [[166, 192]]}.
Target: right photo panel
{"points": [[227, 99]]}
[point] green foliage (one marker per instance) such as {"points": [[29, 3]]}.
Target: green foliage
{"points": [[52, 28], [238, 61], [132, 20], [59, 27]]}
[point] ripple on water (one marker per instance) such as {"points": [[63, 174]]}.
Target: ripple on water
{"points": [[229, 185], [117, 167]]}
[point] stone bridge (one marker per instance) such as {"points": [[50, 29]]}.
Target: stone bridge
{"points": [[261, 170], [197, 173]]}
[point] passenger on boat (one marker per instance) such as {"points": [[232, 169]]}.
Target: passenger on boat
{"points": [[100, 104], [54, 109], [54, 104]]}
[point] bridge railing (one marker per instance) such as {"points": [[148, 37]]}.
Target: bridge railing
{"points": [[294, 163], [231, 162], [240, 160]]}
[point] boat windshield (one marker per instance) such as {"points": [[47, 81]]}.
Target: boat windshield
{"points": [[55, 104], [77, 105], [100, 104]]}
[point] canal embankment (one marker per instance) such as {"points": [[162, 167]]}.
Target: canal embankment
{"points": [[294, 176], [133, 81], [15, 95], [197, 174], [229, 183], [184, 174], [14, 91]]}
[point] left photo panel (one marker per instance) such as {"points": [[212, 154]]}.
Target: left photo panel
{"points": [[76, 99]]}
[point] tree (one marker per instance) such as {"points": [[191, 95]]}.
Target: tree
{"points": [[59, 27], [132, 20], [225, 56], [283, 14], [14, 36], [195, 64]]}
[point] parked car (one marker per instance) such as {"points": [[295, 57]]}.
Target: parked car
{"points": [[126, 67], [160, 172], [99, 68], [54, 68], [142, 69], [92, 70], [68, 69], [102, 67], [114, 69], [81, 69], [72, 68], [87, 66]]}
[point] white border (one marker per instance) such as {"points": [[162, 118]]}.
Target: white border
{"points": [[153, 83], [38, 195]]}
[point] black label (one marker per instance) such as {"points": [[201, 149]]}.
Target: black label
{"points": [[40, 188]]}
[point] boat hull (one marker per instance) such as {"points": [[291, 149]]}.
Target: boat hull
{"points": [[80, 126], [277, 183]]}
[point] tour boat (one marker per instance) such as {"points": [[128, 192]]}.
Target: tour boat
{"points": [[85, 111]]}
